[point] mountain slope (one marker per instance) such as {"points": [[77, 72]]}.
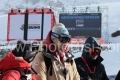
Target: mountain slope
{"points": [[7, 4]]}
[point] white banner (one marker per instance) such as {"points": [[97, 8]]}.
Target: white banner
{"points": [[16, 26]]}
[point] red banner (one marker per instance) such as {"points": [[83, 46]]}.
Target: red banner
{"points": [[82, 40]]}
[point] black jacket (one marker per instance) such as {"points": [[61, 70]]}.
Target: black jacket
{"points": [[85, 74], [118, 76]]}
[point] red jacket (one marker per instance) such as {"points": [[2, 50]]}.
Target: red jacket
{"points": [[11, 62]]}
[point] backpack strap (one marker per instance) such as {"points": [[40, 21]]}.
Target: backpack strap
{"points": [[81, 70], [48, 64], [34, 72], [69, 57]]}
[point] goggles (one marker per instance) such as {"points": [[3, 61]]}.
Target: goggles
{"points": [[62, 38], [94, 51]]}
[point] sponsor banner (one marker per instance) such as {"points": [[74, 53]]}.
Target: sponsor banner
{"points": [[82, 40], [15, 28]]}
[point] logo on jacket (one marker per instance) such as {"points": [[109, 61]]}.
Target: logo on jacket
{"points": [[35, 64], [31, 27], [56, 63]]}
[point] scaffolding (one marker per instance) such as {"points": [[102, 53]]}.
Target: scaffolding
{"points": [[89, 9]]}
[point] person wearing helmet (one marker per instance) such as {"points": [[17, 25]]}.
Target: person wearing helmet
{"points": [[16, 65], [55, 62]]}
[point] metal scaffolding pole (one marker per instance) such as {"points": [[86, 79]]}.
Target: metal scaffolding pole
{"points": [[89, 9]]}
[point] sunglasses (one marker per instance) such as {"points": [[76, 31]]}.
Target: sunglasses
{"points": [[62, 38], [94, 51]]}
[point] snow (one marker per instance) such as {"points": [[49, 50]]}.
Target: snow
{"points": [[111, 62]]}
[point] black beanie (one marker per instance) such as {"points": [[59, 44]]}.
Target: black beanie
{"points": [[25, 51]]}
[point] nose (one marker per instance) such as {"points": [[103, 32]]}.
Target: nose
{"points": [[65, 43]]}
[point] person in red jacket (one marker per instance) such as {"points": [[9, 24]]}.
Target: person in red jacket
{"points": [[16, 61]]}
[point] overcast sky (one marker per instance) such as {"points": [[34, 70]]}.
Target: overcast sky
{"points": [[105, 1]]}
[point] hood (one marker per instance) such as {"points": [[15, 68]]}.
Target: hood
{"points": [[48, 40], [47, 44], [10, 61], [91, 42]]}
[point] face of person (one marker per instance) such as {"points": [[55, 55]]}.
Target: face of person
{"points": [[94, 57], [95, 53], [60, 45]]}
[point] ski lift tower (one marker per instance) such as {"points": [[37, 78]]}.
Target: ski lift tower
{"points": [[90, 9]]}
